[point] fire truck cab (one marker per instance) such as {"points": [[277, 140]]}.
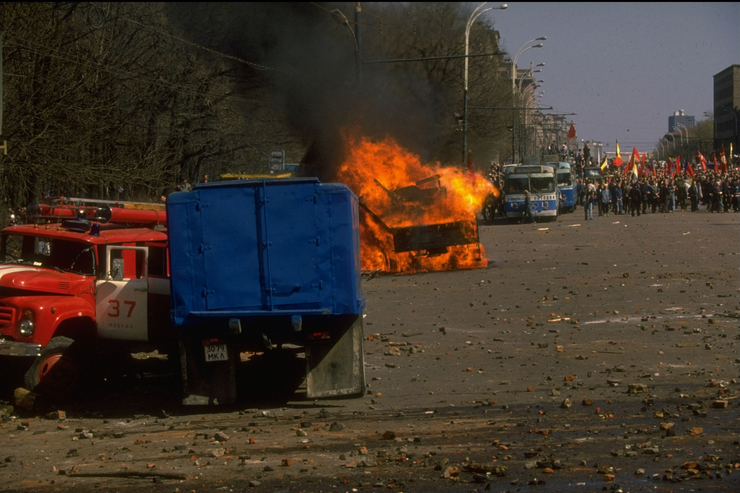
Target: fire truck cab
{"points": [[78, 279]]}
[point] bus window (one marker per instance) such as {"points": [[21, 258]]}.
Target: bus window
{"points": [[543, 184], [564, 178], [516, 185]]}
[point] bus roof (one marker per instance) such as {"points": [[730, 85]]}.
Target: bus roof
{"points": [[529, 169]]}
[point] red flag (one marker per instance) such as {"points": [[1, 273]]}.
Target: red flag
{"points": [[572, 131], [723, 159], [700, 159], [670, 167], [678, 165], [716, 170], [690, 170], [643, 168]]}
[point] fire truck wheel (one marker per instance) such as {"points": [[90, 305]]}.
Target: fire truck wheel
{"points": [[56, 372]]}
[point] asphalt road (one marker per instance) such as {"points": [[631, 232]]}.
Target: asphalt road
{"points": [[589, 356]]}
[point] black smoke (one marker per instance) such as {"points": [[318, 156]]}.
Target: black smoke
{"points": [[309, 74]]}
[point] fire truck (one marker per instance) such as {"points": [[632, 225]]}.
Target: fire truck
{"points": [[77, 279], [230, 267]]}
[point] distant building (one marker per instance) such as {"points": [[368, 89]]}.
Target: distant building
{"points": [[680, 118], [726, 107]]}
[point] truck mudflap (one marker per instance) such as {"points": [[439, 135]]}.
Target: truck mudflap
{"points": [[208, 368], [335, 367]]}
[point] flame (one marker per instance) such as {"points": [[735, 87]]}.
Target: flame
{"points": [[402, 192]]}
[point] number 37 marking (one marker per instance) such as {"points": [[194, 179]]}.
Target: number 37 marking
{"points": [[116, 308]]}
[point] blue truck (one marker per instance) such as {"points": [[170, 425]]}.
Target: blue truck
{"points": [[258, 264]]}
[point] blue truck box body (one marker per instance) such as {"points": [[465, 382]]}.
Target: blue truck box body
{"points": [[262, 248]]}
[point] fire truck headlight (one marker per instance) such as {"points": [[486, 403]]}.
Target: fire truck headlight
{"points": [[26, 327]]}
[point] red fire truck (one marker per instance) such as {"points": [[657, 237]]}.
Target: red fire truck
{"points": [[77, 278]]}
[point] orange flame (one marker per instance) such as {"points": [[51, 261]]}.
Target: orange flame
{"points": [[402, 192]]}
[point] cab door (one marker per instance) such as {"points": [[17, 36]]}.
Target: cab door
{"points": [[121, 297]]}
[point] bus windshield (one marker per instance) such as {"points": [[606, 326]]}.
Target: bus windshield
{"points": [[542, 184], [564, 178], [516, 185]]}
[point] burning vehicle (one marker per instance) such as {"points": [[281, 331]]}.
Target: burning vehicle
{"points": [[415, 217]]}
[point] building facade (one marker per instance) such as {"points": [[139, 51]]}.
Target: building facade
{"points": [[726, 107], [680, 118]]}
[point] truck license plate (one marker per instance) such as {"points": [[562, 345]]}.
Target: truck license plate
{"points": [[216, 352]]}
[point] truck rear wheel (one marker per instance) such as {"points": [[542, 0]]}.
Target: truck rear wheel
{"points": [[57, 371]]}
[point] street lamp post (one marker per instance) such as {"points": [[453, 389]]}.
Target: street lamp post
{"points": [[515, 97], [681, 125], [521, 50], [530, 71], [476, 13], [342, 19], [526, 102]]}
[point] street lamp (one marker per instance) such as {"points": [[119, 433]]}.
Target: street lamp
{"points": [[682, 126], [342, 19], [524, 48], [530, 71], [476, 13], [688, 147]]}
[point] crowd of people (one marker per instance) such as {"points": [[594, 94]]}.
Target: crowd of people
{"points": [[657, 190], [659, 193]]}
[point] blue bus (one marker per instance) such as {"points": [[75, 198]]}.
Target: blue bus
{"points": [[542, 185], [567, 188]]}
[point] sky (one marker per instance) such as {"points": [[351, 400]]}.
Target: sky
{"points": [[624, 68]]}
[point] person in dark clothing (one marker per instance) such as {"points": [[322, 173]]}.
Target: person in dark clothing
{"points": [[645, 189], [695, 195], [636, 199], [527, 212]]}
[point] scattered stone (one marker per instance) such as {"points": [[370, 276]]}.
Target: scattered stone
{"points": [[221, 436], [637, 388], [393, 351], [25, 399], [336, 426]]}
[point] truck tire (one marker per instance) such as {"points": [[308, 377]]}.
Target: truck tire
{"points": [[57, 371]]}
